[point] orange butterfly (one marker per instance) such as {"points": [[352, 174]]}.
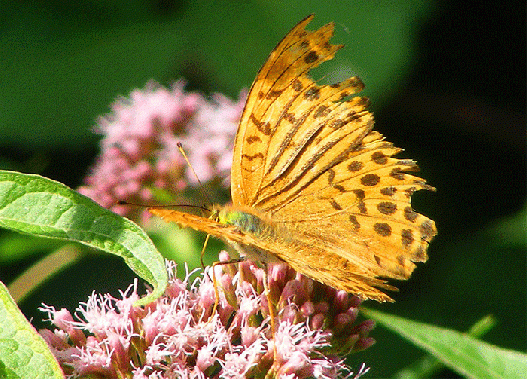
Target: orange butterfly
{"points": [[313, 184]]}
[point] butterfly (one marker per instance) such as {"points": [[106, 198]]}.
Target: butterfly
{"points": [[312, 184]]}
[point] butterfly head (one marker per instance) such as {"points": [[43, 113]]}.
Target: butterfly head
{"points": [[215, 214]]}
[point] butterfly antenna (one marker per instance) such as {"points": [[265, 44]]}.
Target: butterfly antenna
{"points": [[161, 206], [201, 186]]}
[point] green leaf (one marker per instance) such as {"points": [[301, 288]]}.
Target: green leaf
{"points": [[428, 365], [462, 353], [39, 206], [23, 353]]}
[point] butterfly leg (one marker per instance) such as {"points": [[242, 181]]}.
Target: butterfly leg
{"points": [[270, 306], [215, 281], [203, 251]]}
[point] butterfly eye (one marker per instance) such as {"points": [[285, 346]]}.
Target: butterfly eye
{"points": [[215, 215]]}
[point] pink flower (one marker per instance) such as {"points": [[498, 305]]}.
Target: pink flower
{"points": [[179, 336], [140, 161]]}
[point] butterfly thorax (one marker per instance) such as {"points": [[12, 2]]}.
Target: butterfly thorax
{"points": [[250, 221], [247, 220]]}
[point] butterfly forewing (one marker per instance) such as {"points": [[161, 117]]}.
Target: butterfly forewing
{"points": [[273, 91], [331, 145]]}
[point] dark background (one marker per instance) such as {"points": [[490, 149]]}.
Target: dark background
{"points": [[446, 80]]}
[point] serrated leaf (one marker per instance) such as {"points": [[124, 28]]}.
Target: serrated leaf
{"points": [[43, 207], [23, 352], [462, 353]]}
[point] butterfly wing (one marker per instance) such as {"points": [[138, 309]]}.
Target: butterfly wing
{"points": [[308, 158], [227, 233], [279, 91], [312, 260], [361, 206]]}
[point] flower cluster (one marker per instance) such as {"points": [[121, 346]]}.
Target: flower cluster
{"points": [[140, 161], [180, 335]]}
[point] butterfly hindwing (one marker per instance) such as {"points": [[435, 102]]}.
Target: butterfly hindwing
{"points": [[312, 260], [364, 201]]}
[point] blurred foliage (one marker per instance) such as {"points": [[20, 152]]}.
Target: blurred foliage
{"points": [[62, 65], [443, 85]]}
